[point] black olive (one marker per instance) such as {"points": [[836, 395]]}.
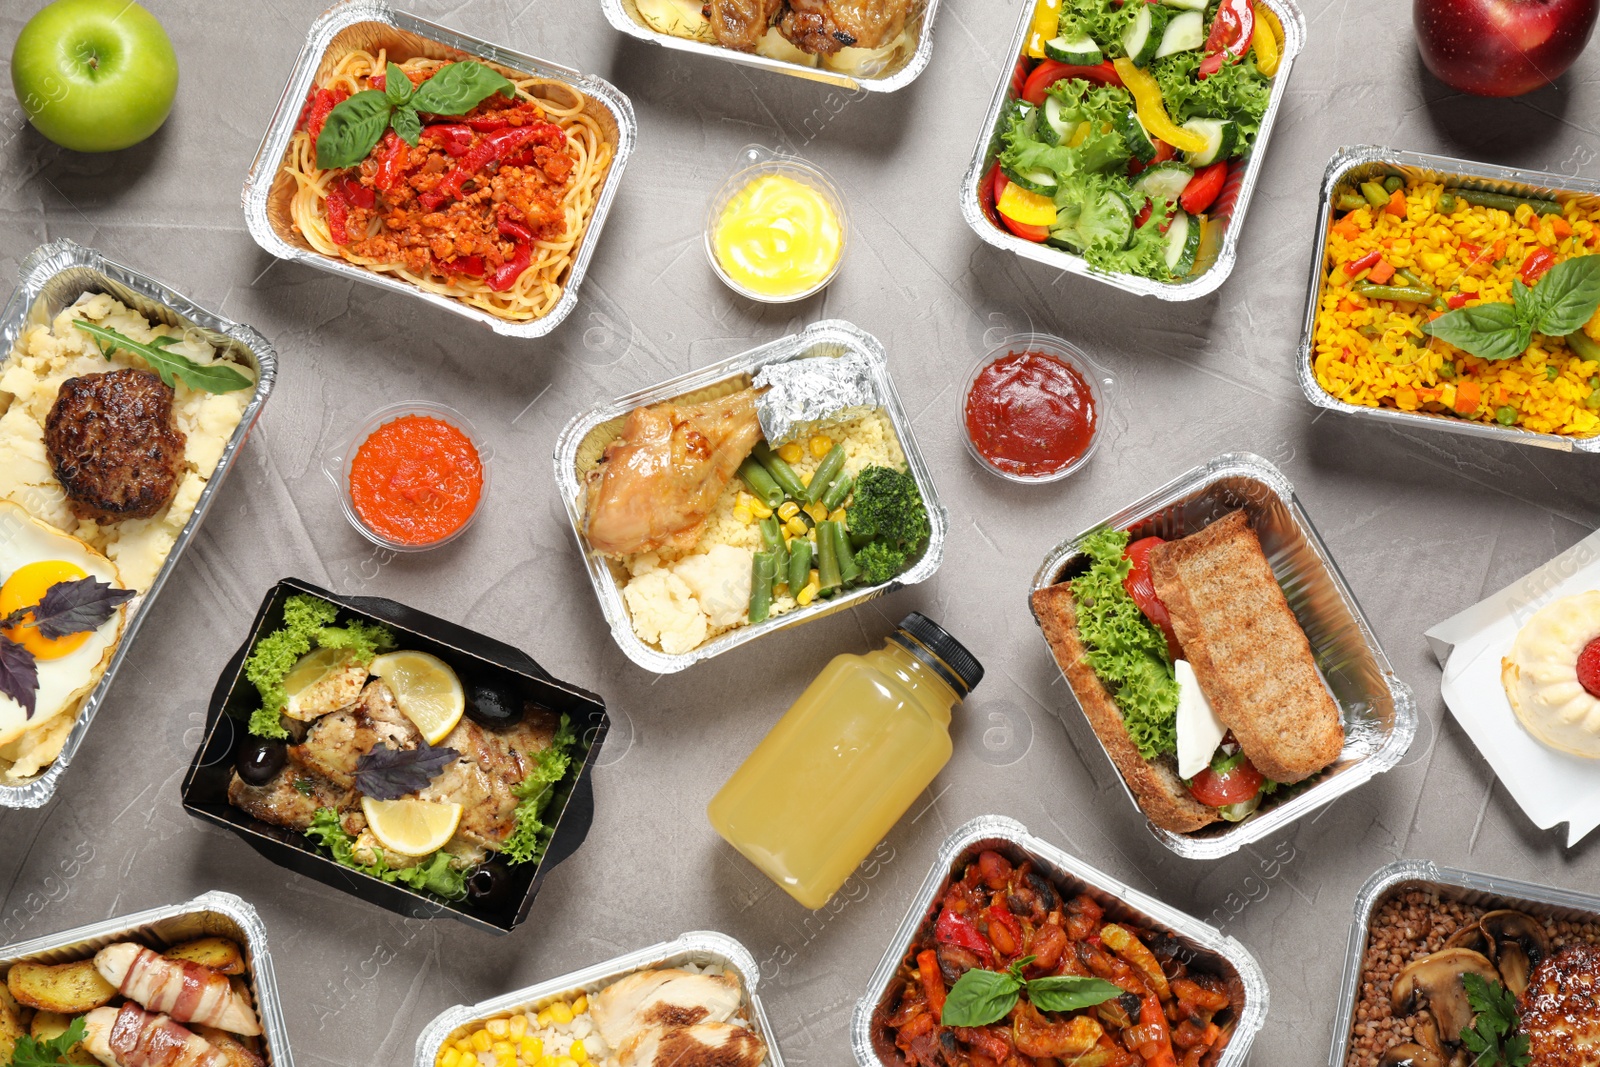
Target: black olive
{"points": [[259, 761], [488, 885], [492, 707]]}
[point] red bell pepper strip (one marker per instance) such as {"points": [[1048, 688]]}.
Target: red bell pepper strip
{"points": [[1152, 1018], [471, 266], [1534, 267], [1366, 262], [391, 161], [1232, 28], [956, 929], [358, 195], [338, 214], [494, 147], [454, 137], [932, 980], [319, 104], [1203, 188], [1049, 72], [507, 273], [488, 123], [1144, 215], [1457, 302]]}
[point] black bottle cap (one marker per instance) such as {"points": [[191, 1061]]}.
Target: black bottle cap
{"points": [[955, 664]]}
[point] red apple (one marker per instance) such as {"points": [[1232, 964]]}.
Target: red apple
{"points": [[1502, 47]]}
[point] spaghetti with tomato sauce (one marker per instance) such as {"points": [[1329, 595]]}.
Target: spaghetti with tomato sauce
{"points": [[487, 207]]}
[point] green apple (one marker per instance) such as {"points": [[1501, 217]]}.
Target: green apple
{"points": [[95, 75]]}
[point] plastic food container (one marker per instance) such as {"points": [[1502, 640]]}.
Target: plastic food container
{"points": [[373, 24], [469, 654], [624, 17], [336, 465], [1212, 950], [216, 914], [1216, 257], [700, 948], [1100, 383], [589, 432], [52, 277], [756, 162], [1466, 887], [1378, 709], [1357, 164]]}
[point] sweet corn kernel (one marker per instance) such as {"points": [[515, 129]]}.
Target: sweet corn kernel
{"points": [[744, 499], [808, 594], [518, 1026], [743, 514], [464, 1046], [543, 1018], [836, 515], [580, 1005], [566, 1061], [561, 1012], [821, 445], [817, 511], [788, 510], [448, 1057], [505, 1059], [759, 509], [796, 526], [547, 1061], [805, 479], [503, 1048], [791, 452], [481, 1040], [497, 1027], [814, 578], [781, 589], [578, 1052], [532, 1050]]}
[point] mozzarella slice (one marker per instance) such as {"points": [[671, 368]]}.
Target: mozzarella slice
{"points": [[1199, 729]]}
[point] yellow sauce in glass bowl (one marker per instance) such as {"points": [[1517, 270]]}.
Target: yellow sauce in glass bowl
{"points": [[778, 237]]}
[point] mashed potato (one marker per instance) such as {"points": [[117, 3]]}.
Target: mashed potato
{"points": [[705, 591], [45, 357]]}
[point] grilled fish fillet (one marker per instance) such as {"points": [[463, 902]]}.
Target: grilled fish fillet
{"points": [[663, 998], [492, 763], [1248, 651], [336, 742]]}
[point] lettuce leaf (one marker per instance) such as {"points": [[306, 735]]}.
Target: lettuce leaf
{"points": [[1146, 255], [1239, 91], [1104, 148], [433, 875], [307, 621], [1125, 649], [530, 835], [1102, 20]]}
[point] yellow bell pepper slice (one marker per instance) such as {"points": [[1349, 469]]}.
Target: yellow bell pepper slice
{"points": [[1028, 208], [1046, 24], [1265, 43], [1153, 110]]}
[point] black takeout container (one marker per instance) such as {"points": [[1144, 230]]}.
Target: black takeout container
{"points": [[471, 655]]}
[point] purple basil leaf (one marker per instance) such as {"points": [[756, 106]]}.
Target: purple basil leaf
{"points": [[78, 607], [391, 773], [19, 674]]}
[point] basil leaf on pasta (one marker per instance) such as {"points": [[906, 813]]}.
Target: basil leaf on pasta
{"points": [[352, 129], [407, 125], [1069, 992], [979, 998], [457, 88], [1568, 295], [396, 86], [1488, 331]]}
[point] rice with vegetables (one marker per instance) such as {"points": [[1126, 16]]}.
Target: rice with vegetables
{"points": [[1428, 244]]}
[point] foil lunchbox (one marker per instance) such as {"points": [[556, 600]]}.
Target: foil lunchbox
{"points": [[469, 654], [52, 277], [1465, 887], [357, 23], [1356, 165], [587, 433], [1378, 709], [624, 17], [1216, 258], [213, 914], [699, 948], [1219, 953]]}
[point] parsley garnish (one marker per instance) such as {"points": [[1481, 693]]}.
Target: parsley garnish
{"points": [[31, 1052], [1493, 1038]]}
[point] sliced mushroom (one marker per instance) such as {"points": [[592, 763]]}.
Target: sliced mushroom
{"points": [[1472, 937], [1517, 944], [1422, 1051], [1437, 980]]}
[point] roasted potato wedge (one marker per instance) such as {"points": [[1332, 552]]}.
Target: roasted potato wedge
{"points": [[13, 1023], [67, 988], [218, 953], [230, 1045], [49, 1025]]}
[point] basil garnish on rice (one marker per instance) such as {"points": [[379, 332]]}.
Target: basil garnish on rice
{"points": [[1558, 304]]}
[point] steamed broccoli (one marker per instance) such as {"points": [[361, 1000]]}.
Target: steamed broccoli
{"points": [[880, 561], [887, 507]]}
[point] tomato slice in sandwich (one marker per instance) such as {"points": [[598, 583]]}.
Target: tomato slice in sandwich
{"points": [[1143, 591], [1236, 782]]}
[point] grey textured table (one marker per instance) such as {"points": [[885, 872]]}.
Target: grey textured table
{"points": [[1421, 524]]}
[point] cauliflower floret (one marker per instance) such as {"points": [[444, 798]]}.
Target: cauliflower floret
{"points": [[665, 612], [720, 581]]}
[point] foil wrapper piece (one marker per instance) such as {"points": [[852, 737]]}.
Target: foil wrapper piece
{"points": [[802, 395]]}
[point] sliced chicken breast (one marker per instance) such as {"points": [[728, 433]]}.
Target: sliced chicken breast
{"points": [[665, 998]]}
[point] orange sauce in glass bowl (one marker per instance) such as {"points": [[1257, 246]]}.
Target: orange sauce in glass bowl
{"points": [[416, 480]]}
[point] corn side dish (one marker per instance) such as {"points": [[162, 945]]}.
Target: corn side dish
{"points": [[560, 1034]]}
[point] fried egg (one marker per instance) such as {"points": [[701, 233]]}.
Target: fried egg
{"points": [[33, 557], [1541, 675]]}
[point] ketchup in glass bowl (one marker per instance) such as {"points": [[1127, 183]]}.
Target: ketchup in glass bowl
{"points": [[1034, 409]]}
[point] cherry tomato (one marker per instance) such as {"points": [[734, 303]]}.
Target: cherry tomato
{"points": [[1143, 590], [1589, 667], [1049, 72], [1019, 74], [1231, 787], [1036, 234], [988, 195], [1202, 190], [1232, 27]]}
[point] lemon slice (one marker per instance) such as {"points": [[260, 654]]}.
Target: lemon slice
{"points": [[320, 682], [428, 692], [411, 827]]}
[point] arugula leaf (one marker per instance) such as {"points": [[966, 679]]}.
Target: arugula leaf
{"points": [[386, 773], [979, 998], [457, 88], [216, 377], [1069, 992], [19, 675], [352, 128], [1569, 294], [530, 835], [396, 86], [1492, 1038], [434, 875], [31, 1052], [79, 606], [1488, 331]]}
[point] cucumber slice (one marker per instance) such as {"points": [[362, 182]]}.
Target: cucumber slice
{"points": [[1079, 51], [1187, 5], [1143, 36], [1039, 180], [1186, 31], [1182, 243], [1139, 142], [1054, 127], [1222, 137], [1166, 180], [1107, 221]]}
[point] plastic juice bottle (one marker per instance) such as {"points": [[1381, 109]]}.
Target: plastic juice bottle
{"points": [[847, 760]]}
